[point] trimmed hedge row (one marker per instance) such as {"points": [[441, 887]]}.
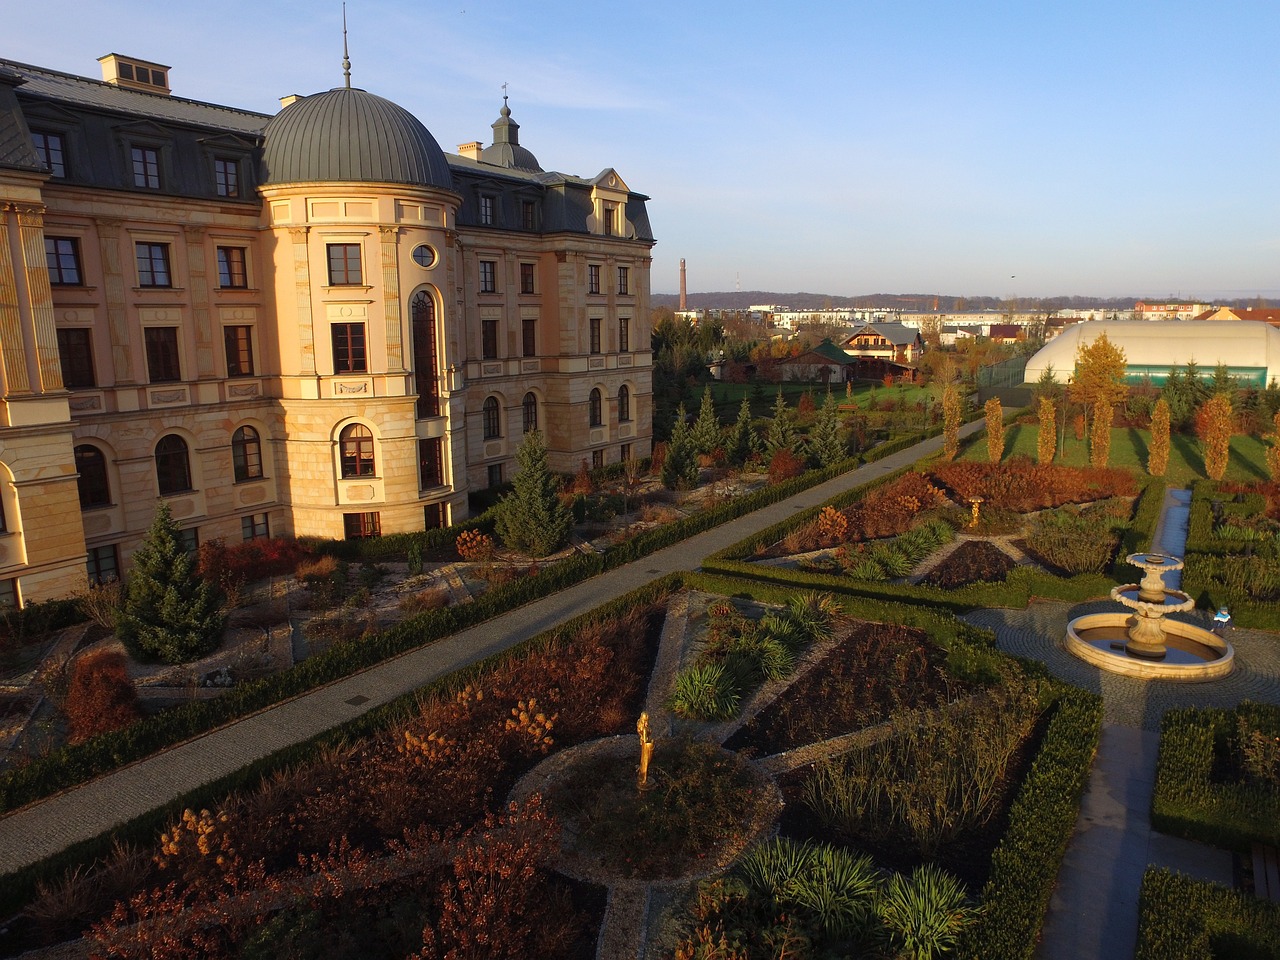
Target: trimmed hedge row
{"points": [[1201, 543], [1024, 868], [1189, 802], [1180, 918], [18, 887]]}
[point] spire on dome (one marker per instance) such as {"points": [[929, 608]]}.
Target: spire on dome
{"points": [[346, 59]]}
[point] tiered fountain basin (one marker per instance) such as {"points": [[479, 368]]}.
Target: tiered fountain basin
{"points": [[1145, 643]]}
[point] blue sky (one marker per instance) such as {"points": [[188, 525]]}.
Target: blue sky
{"points": [[977, 148]]}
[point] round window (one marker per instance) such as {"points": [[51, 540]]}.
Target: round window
{"points": [[423, 255]]}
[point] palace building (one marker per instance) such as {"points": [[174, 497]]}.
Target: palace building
{"points": [[314, 323]]}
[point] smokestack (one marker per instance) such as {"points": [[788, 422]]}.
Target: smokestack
{"points": [[684, 301]]}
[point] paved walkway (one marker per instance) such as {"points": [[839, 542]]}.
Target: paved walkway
{"points": [[46, 827]]}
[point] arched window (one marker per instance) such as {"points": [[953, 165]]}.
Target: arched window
{"points": [[624, 404], [173, 466], [356, 444], [425, 355], [95, 490], [596, 409], [492, 419], [246, 454], [530, 413]]}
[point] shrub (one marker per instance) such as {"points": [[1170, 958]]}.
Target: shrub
{"points": [[101, 696], [431, 598], [995, 429], [1100, 435], [952, 413], [532, 518], [833, 526], [100, 603], [1074, 541], [1047, 432], [925, 914], [974, 561], [475, 546], [705, 691], [1181, 918], [1214, 426], [1158, 455], [784, 465]]}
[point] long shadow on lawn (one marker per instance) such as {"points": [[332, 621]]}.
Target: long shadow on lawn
{"points": [[1187, 450], [1141, 449]]}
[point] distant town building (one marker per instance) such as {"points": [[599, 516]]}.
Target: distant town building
{"points": [[1143, 310], [1262, 314]]}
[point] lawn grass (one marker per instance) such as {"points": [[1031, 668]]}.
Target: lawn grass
{"points": [[1129, 449]]}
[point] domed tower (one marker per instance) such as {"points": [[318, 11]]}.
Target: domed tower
{"points": [[358, 203]]}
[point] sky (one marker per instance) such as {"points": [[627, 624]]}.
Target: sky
{"points": [[1007, 149]]}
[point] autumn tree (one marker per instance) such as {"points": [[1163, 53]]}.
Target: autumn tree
{"points": [[1047, 432], [825, 442], [1213, 423], [705, 435], [951, 415], [1099, 376], [995, 429], [1158, 453], [1273, 449], [680, 466], [1100, 437], [532, 518], [169, 611]]}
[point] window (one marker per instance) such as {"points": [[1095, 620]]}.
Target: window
{"points": [[95, 490], [529, 336], [624, 334], [349, 355], [103, 564], [597, 459], [162, 354], [254, 527], [528, 215], [355, 444], [595, 334], [593, 278], [495, 474], [489, 338], [491, 419], [530, 413], [246, 454], [189, 540], [51, 151], [595, 409], [173, 467], [358, 526], [486, 211], [153, 264], [75, 353], [527, 274], [238, 341], [431, 463], [609, 215], [9, 594], [226, 177], [426, 361], [624, 453], [488, 276], [624, 279], [433, 516], [624, 404], [62, 254], [146, 167], [344, 264], [231, 272]]}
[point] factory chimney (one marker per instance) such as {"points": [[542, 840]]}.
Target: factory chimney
{"points": [[684, 302]]}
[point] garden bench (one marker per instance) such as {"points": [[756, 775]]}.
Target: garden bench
{"points": [[1266, 872]]}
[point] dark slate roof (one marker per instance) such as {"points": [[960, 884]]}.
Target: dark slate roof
{"points": [[351, 135], [16, 149], [896, 333], [53, 85], [505, 151]]}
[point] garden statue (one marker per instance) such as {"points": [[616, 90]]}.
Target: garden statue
{"points": [[646, 752], [974, 502]]}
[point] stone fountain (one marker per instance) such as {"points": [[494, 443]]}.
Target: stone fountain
{"points": [[1145, 644]]}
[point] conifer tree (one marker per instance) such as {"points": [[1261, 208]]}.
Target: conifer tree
{"points": [[995, 429], [1100, 434], [1158, 453], [742, 438], [825, 442], [1214, 422], [532, 518], [680, 468], [169, 611], [705, 434], [951, 413], [781, 434], [1046, 434]]}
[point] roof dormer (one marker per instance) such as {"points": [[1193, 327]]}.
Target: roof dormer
{"points": [[135, 74]]}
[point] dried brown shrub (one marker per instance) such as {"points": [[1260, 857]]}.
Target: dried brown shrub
{"points": [[101, 696]]}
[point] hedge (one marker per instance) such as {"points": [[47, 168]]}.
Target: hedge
{"points": [[1180, 918], [1190, 802], [18, 887], [1024, 867]]}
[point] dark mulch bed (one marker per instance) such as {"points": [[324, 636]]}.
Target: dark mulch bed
{"points": [[972, 562], [876, 669]]}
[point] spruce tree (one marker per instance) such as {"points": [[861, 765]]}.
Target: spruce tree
{"points": [[680, 468], [781, 434], [706, 429], [169, 611], [532, 519], [825, 442], [742, 438]]}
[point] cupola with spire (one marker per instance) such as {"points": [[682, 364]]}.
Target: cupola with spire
{"points": [[506, 150]]}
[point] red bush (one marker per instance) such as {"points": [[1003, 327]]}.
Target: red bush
{"points": [[784, 466], [101, 696], [234, 565], [891, 509], [1022, 486]]}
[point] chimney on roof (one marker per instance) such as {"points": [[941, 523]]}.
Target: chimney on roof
{"points": [[470, 150], [289, 100], [135, 74]]}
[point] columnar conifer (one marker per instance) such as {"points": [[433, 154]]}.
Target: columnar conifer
{"points": [[995, 429], [742, 439], [951, 412], [1100, 435], [825, 442], [705, 434], [1215, 432], [1158, 454], [1047, 434]]}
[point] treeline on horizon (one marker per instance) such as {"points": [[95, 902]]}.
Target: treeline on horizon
{"points": [[924, 302]]}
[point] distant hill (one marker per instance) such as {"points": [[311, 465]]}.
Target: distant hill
{"points": [[912, 302]]}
